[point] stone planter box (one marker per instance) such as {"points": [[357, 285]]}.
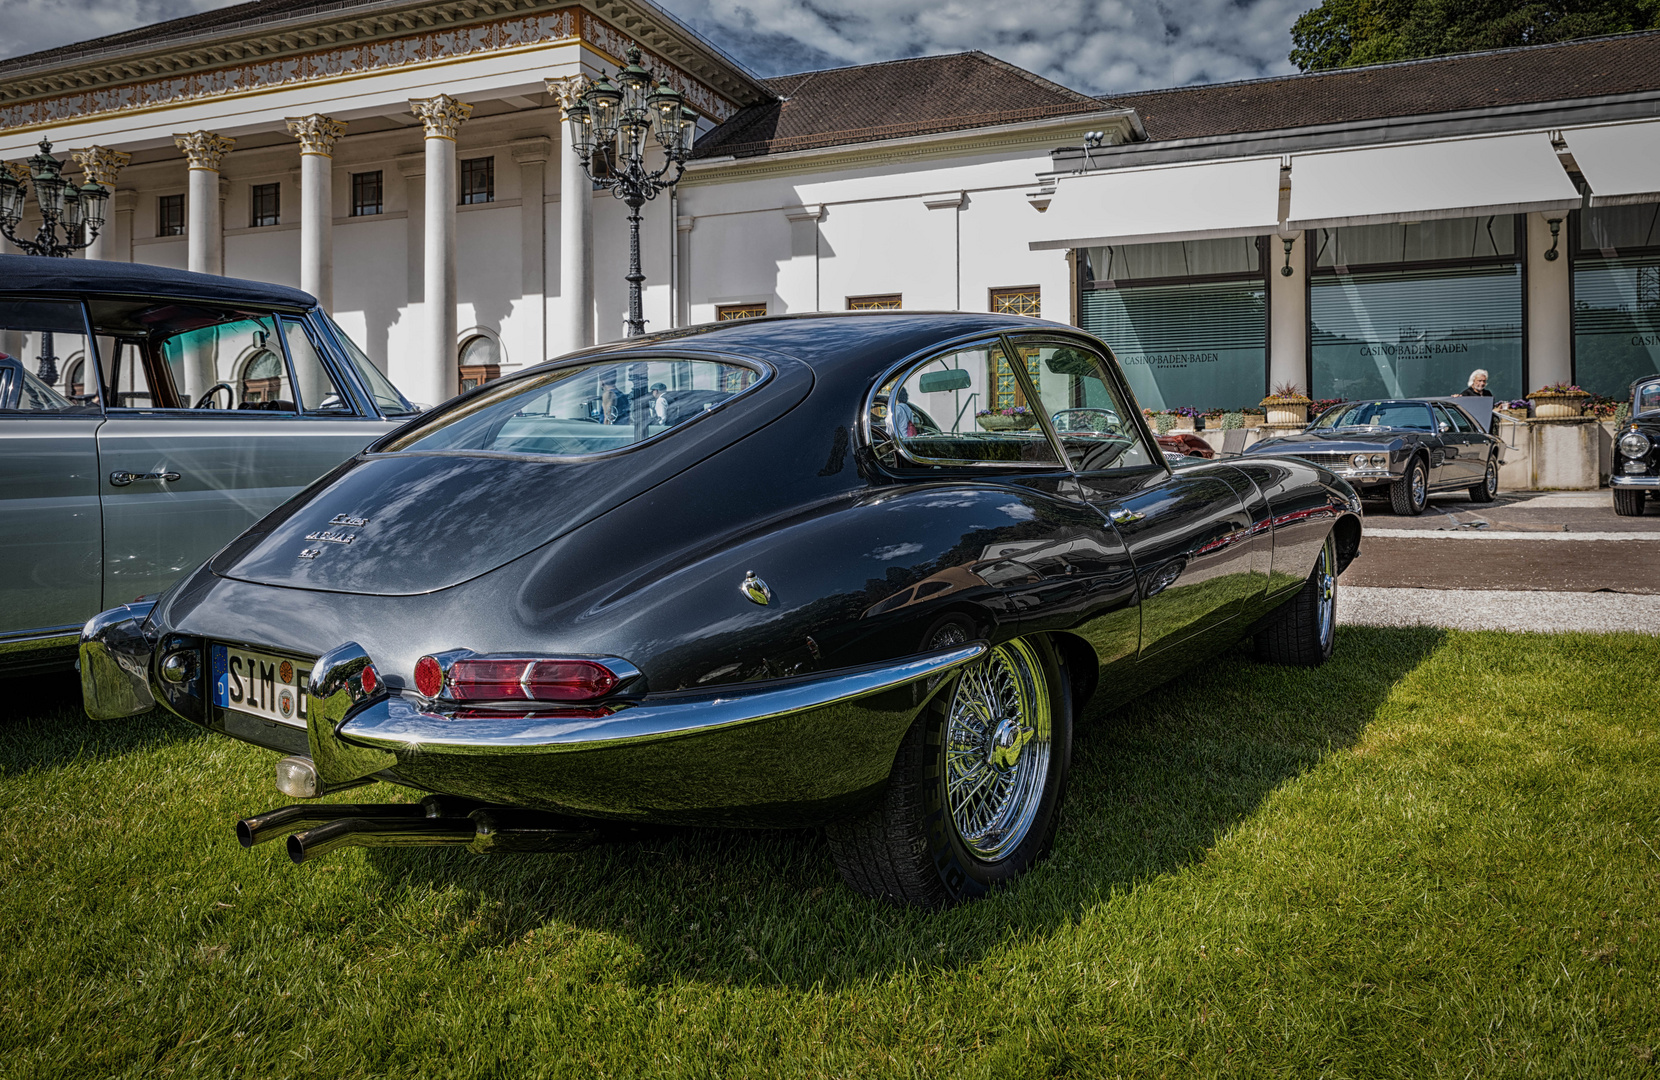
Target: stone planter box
{"points": [[1557, 406], [1552, 455], [1287, 415], [1183, 423], [1007, 423]]}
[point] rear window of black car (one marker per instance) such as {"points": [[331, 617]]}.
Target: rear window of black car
{"points": [[582, 411]]}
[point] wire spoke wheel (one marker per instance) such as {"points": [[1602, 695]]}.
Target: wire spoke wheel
{"points": [[997, 749]]}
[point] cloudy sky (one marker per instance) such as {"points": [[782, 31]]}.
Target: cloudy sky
{"points": [[1097, 46]]}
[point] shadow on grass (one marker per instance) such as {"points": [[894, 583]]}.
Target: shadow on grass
{"points": [[45, 725], [1155, 783]]}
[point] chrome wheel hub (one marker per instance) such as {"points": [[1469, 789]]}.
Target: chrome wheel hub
{"points": [[1419, 485], [1492, 478], [997, 746]]}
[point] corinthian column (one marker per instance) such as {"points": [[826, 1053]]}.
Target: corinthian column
{"points": [[205, 231], [101, 165], [442, 116], [317, 134], [576, 233]]}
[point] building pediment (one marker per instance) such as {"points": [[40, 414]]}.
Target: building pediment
{"points": [[195, 58]]}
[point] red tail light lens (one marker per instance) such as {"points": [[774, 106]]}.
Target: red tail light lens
{"points": [[371, 681], [530, 680], [429, 677]]}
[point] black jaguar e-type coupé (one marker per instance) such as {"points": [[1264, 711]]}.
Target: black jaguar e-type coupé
{"points": [[841, 570]]}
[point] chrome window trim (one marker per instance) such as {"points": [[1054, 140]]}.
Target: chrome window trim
{"points": [[762, 367], [1112, 375], [915, 360]]}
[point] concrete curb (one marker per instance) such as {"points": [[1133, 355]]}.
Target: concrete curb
{"points": [[1480, 609]]}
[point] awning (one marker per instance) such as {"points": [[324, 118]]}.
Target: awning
{"points": [[1504, 174], [1181, 202], [1621, 162]]}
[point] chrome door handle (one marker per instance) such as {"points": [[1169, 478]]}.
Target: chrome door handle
{"points": [[122, 479]]}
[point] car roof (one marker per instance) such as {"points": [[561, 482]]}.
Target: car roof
{"points": [[35, 274], [839, 340]]}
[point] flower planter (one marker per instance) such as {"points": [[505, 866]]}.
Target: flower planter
{"points": [[1557, 406], [1007, 423], [1182, 423], [1287, 415]]}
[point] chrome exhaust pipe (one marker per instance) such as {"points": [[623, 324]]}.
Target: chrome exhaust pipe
{"points": [[380, 832], [435, 821]]}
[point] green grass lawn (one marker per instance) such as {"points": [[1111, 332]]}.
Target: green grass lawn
{"points": [[1435, 856]]}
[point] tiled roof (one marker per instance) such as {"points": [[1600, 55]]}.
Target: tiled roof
{"points": [[1628, 63], [891, 100]]}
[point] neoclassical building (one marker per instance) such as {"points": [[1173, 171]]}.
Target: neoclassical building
{"points": [[1374, 230]]}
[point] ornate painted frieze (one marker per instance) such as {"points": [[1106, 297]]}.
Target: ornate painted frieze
{"points": [[316, 133], [204, 148], [100, 164], [441, 116], [358, 58]]}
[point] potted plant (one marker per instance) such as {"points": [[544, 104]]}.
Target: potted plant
{"points": [[1008, 418], [1516, 410], [1287, 406], [1213, 418], [1558, 401], [1184, 418]]}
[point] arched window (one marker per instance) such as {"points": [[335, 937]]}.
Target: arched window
{"points": [[262, 377], [480, 361]]}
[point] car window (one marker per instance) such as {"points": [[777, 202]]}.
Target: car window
{"points": [[185, 356], [1443, 419], [1461, 419], [317, 391], [1646, 398], [581, 411], [1391, 414], [43, 358], [960, 408], [387, 397], [1094, 422]]}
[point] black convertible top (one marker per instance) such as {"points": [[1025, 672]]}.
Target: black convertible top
{"points": [[34, 274]]}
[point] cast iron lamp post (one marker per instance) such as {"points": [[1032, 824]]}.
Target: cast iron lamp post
{"points": [[610, 123], [79, 212]]}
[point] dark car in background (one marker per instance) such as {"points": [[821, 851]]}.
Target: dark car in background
{"points": [[1636, 474], [147, 416], [823, 595], [1403, 449]]}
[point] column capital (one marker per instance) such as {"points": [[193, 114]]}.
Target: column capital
{"points": [[101, 164], [204, 148], [531, 151], [18, 170], [442, 116], [567, 90], [316, 133]]}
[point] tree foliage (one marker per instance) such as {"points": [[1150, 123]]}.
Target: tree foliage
{"points": [[1347, 33]]}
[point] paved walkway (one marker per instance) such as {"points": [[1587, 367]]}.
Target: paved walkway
{"points": [[1499, 609], [1551, 561]]}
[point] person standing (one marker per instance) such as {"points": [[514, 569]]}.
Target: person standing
{"points": [[1477, 386]]}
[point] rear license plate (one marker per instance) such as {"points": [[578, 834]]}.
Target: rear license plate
{"points": [[259, 683]]}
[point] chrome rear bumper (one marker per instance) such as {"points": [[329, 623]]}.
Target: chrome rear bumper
{"points": [[1634, 481], [115, 663], [782, 753]]}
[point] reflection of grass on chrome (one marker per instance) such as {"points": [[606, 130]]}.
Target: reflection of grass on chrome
{"points": [[1435, 855]]}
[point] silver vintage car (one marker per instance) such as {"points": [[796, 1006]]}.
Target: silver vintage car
{"points": [[147, 416]]}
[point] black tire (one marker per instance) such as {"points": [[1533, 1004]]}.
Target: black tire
{"points": [[913, 847], [1488, 489], [1301, 631], [1410, 494], [1628, 502]]}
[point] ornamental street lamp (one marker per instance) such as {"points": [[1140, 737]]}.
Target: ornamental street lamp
{"points": [[79, 212], [610, 123]]}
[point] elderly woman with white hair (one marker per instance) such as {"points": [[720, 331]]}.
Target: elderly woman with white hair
{"points": [[1477, 386]]}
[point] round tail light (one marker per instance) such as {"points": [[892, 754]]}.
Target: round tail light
{"points": [[371, 681], [429, 677]]}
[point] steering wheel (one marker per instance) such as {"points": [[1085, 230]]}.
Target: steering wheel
{"points": [[206, 400]]}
